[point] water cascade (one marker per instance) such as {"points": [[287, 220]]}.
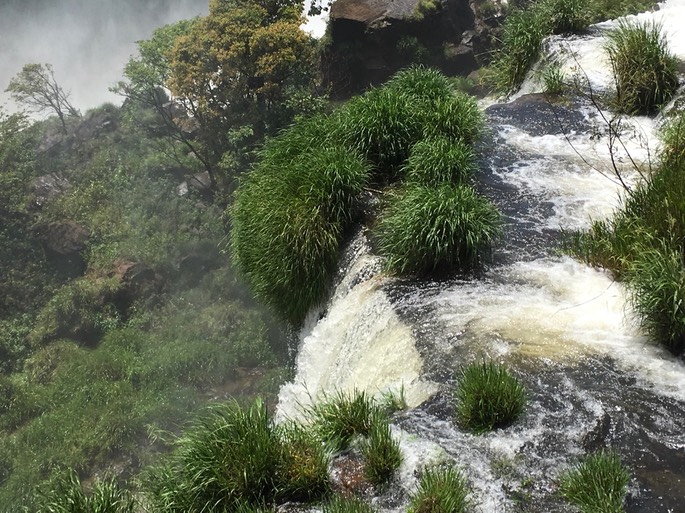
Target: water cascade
{"points": [[593, 380]]}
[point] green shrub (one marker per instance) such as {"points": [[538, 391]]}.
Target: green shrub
{"points": [[381, 452], [554, 79], [425, 229], [657, 294], [411, 50], [67, 496], [564, 16], [339, 504], [488, 397], [425, 85], [673, 136], [304, 465], [522, 36], [603, 10], [645, 72], [437, 161], [457, 118], [338, 419], [441, 490], [382, 125], [599, 483]]}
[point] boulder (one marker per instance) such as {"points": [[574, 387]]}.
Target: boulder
{"points": [[45, 189], [372, 39], [64, 242], [137, 281]]}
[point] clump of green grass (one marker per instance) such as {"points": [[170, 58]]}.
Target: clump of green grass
{"points": [[236, 456], [67, 496], [382, 125], [554, 79], [457, 117], [288, 220], [340, 504], [381, 452], [426, 85], [599, 483], [438, 161], [304, 464], [567, 16], [488, 397], [341, 417], [645, 71], [522, 36], [657, 294], [441, 490], [444, 228]]}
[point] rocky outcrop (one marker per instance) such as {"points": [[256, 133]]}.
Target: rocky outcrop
{"points": [[372, 39], [64, 242], [44, 189], [137, 281]]}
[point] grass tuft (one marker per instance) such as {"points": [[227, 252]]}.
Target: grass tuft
{"points": [[445, 228], [645, 71], [488, 397], [67, 496], [441, 490], [438, 161], [599, 483], [381, 452], [339, 504], [338, 419]]}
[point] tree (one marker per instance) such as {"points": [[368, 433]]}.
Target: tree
{"points": [[36, 87], [240, 68]]}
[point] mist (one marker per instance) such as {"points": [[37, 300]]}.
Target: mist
{"points": [[88, 42]]}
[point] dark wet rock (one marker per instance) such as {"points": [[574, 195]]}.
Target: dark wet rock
{"points": [[64, 242], [599, 437], [539, 114], [97, 123], [372, 39], [137, 281], [201, 183], [45, 189], [347, 476]]}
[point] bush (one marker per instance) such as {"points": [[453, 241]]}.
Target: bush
{"points": [[566, 16], [645, 72], [441, 490], [425, 85], [522, 36], [339, 418], [437, 161], [445, 228], [339, 504], [67, 496], [488, 397], [288, 221], [596, 484], [382, 125], [657, 294], [381, 452], [304, 465]]}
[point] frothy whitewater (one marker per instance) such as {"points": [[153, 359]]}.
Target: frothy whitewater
{"points": [[593, 380]]}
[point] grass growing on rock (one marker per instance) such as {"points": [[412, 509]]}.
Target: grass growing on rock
{"points": [[342, 416], [645, 71], [339, 504], [444, 228], [441, 490], [488, 397], [381, 452], [440, 160], [598, 483]]}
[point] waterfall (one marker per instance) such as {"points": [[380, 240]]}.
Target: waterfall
{"points": [[593, 380]]}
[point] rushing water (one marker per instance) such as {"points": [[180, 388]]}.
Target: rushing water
{"points": [[593, 380]]}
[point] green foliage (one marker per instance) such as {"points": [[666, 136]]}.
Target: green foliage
{"points": [[598, 483], [445, 228], [441, 490], [341, 417], [235, 455], [657, 294], [645, 71], [554, 79], [567, 16], [522, 36], [13, 342], [383, 125], [411, 50], [381, 452], [288, 220], [67, 496], [425, 85], [603, 10], [340, 504], [488, 397], [438, 161], [82, 310]]}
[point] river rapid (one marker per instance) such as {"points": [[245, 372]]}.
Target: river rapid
{"points": [[593, 380]]}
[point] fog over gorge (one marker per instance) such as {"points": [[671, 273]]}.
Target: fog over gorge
{"points": [[87, 41]]}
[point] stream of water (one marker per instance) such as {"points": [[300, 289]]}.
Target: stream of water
{"points": [[593, 380]]}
